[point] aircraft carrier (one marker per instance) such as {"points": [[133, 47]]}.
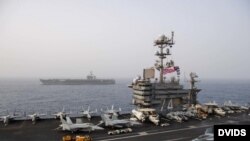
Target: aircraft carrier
{"points": [[91, 80], [163, 95]]}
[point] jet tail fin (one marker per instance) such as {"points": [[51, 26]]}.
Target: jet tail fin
{"points": [[62, 120], [105, 118], [88, 108], [69, 121], [83, 109], [64, 125]]}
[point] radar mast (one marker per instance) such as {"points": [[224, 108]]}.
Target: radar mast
{"points": [[163, 42]]}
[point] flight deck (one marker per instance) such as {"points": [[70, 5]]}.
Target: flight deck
{"points": [[46, 129]]}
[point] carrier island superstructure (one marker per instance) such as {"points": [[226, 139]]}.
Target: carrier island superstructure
{"points": [[152, 92]]}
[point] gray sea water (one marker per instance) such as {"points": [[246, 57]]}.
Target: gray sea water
{"points": [[29, 95]]}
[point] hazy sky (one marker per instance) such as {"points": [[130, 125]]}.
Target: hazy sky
{"points": [[114, 38]]}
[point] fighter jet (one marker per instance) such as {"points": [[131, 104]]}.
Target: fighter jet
{"points": [[35, 116], [146, 113], [231, 105], [244, 108], [68, 125], [6, 119], [228, 110], [212, 107], [219, 111], [139, 115], [173, 116], [113, 121], [190, 113], [207, 136], [62, 114], [112, 111], [182, 115], [87, 112]]}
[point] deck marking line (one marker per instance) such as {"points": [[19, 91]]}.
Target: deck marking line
{"points": [[177, 139], [142, 133]]}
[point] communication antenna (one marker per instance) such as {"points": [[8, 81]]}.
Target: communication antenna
{"points": [[163, 42]]}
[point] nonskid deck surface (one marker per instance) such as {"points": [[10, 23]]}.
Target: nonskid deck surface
{"points": [[45, 130]]}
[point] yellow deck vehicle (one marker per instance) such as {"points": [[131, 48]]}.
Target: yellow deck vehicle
{"points": [[77, 138]]}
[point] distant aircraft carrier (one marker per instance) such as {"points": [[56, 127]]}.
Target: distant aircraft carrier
{"points": [[91, 80]]}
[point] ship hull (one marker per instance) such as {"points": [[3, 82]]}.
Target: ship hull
{"points": [[77, 82]]}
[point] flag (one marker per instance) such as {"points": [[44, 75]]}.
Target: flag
{"points": [[171, 69], [168, 70]]}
